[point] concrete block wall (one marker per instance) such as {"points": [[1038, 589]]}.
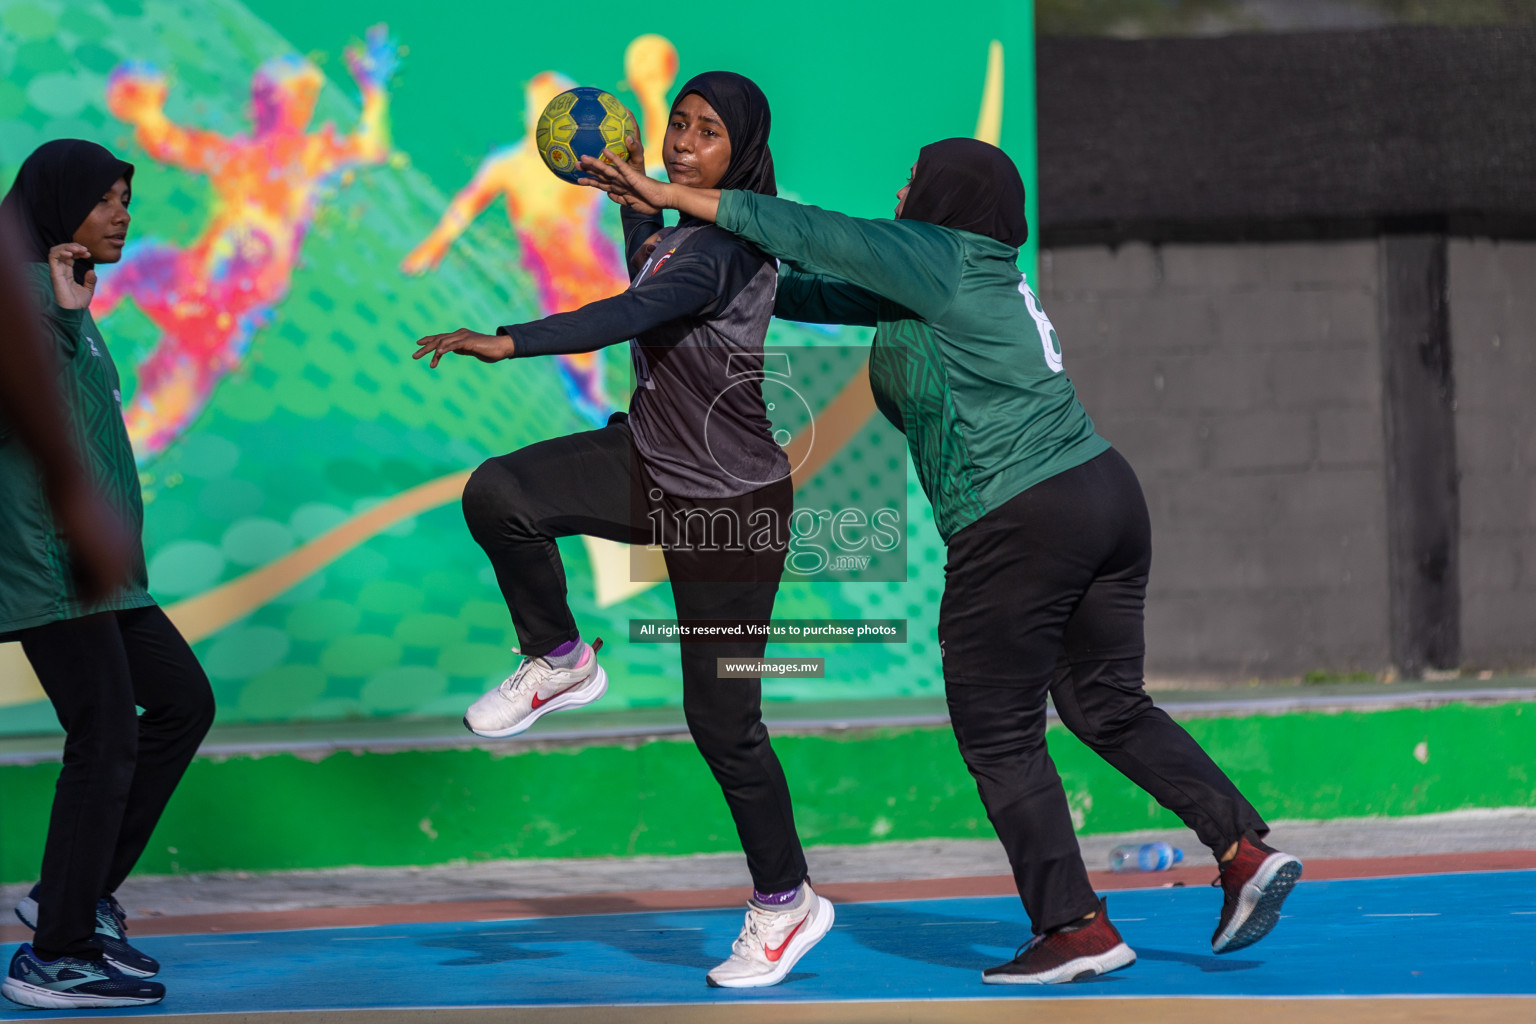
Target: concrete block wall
{"points": [[1244, 384], [1493, 334]]}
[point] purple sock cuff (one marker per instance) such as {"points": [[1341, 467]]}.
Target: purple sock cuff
{"points": [[776, 899], [563, 649]]}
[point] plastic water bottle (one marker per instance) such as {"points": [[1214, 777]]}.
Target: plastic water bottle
{"points": [[1146, 857]]}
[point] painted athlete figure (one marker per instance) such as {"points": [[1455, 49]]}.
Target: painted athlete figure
{"points": [[210, 298]]}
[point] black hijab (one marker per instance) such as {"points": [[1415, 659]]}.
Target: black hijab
{"points": [[744, 109], [56, 189], [968, 185]]}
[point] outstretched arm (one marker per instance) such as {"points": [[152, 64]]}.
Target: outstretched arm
{"points": [[911, 263], [629, 186], [689, 286], [136, 94], [465, 207], [814, 299]]}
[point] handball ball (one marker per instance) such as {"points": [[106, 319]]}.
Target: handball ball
{"points": [[581, 122]]}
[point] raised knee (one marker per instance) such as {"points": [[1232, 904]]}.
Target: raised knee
{"points": [[488, 484], [490, 495]]}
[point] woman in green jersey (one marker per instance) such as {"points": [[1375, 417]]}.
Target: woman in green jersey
{"points": [[35, 415], [1048, 534], [97, 659]]}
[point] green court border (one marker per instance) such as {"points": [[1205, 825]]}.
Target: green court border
{"points": [[287, 811]]}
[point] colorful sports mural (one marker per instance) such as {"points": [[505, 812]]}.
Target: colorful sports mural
{"points": [[211, 296], [310, 199]]}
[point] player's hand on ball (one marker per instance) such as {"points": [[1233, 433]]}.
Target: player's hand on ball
{"points": [[637, 161], [636, 152], [624, 184], [488, 348]]}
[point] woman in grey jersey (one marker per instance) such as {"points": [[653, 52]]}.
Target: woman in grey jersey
{"points": [[689, 468], [1048, 534]]}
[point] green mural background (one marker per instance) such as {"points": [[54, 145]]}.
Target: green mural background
{"points": [[326, 416]]}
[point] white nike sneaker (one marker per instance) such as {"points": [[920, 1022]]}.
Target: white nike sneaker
{"points": [[771, 941], [533, 691]]}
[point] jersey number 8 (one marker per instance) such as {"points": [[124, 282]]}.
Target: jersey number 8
{"points": [[1048, 339]]}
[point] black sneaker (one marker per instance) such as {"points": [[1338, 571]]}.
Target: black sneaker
{"points": [[70, 983], [1073, 953], [1254, 883], [111, 935]]}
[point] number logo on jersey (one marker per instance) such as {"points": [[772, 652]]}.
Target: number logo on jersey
{"points": [[1048, 340]]}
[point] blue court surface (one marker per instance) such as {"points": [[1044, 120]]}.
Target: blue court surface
{"points": [[1449, 935]]}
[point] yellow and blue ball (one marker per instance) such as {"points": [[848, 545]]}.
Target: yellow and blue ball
{"points": [[582, 122]]}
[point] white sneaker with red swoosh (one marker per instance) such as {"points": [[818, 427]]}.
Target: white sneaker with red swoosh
{"points": [[771, 941], [533, 691]]}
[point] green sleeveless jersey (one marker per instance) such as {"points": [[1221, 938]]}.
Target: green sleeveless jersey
{"points": [[35, 583], [964, 361]]}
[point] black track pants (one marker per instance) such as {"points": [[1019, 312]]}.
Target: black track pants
{"points": [[1045, 594], [592, 483], [120, 767]]}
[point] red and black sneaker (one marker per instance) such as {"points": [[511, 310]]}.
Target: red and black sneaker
{"points": [[1073, 953], [1254, 883]]}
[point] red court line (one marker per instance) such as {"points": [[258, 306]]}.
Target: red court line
{"points": [[703, 899]]}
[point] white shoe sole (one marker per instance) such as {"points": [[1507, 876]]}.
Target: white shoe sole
{"points": [[589, 691], [798, 947], [1073, 970], [41, 998], [1258, 905]]}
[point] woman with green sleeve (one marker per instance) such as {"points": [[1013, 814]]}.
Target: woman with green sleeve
{"points": [[99, 656], [1049, 541]]}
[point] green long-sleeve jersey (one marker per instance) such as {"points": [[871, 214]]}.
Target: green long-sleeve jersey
{"points": [[35, 583], [964, 362]]}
